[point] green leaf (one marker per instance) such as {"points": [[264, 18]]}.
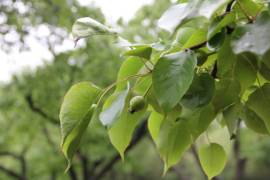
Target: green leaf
{"points": [[213, 159], [198, 120], [226, 59], [178, 14], [227, 93], [264, 71], [183, 35], [253, 121], [216, 41], [245, 70], [141, 51], [219, 23], [129, 67], [154, 123], [259, 102], [75, 115], [87, 26], [198, 37], [113, 107], [172, 76], [231, 115], [120, 133], [172, 141], [200, 92], [253, 37]]}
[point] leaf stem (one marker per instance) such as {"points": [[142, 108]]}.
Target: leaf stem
{"points": [[107, 89]]}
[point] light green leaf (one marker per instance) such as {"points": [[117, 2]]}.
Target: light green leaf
{"points": [[198, 37], [129, 67], [113, 107], [219, 23], [213, 159], [178, 14], [172, 76], [200, 92], [141, 51], [253, 37], [87, 26], [253, 121], [183, 35], [173, 140], [120, 133], [75, 115], [259, 102], [154, 123]]}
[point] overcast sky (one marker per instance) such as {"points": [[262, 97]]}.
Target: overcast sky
{"points": [[15, 62]]}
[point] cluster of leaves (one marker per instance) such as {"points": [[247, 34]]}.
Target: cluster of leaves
{"points": [[216, 65]]}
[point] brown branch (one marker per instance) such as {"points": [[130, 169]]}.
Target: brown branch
{"points": [[72, 173], [240, 162], [140, 133], [38, 110]]}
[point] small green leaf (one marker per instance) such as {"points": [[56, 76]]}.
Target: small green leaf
{"points": [[183, 35], [172, 141], [87, 26], [75, 115], [178, 14], [253, 121], [200, 92], [172, 76], [129, 67], [198, 37], [213, 159], [113, 107], [141, 51], [120, 133], [259, 102], [253, 37], [219, 23]]}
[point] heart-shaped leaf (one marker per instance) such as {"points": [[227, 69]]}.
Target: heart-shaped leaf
{"points": [[75, 115]]}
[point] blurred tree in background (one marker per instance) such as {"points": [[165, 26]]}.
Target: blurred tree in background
{"points": [[29, 104]]}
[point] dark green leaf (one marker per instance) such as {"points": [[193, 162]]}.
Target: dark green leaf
{"points": [[259, 102], [200, 92], [227, 93], [253, 121]]}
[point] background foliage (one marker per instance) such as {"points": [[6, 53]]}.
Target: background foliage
{"points": [[30, 103]]}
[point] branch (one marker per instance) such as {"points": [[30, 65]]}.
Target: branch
{"points": [[38, 110], [10, 172], [140, 133], [240, 162]]}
